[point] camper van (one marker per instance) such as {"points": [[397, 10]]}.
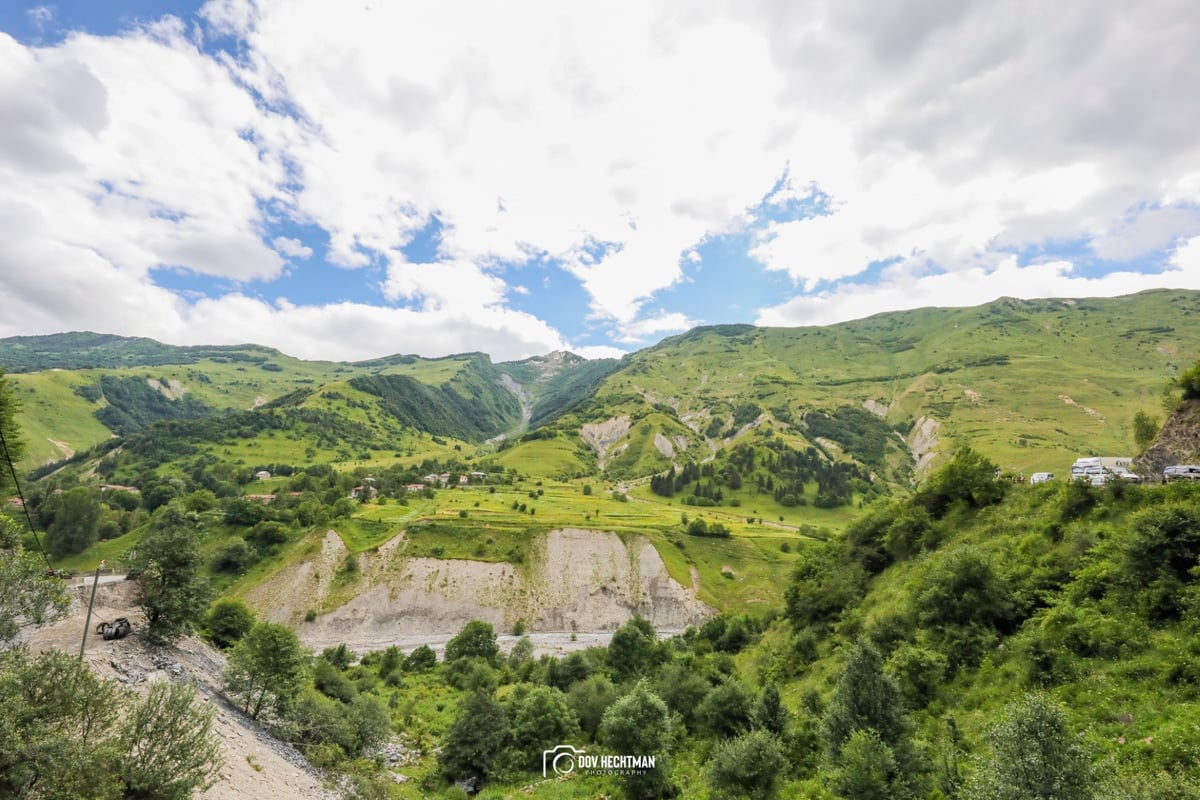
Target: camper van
{"points": [[1041, 477], [1182, 472]]}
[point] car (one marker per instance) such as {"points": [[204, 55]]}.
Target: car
{"points": [[1182, 472], [1041, 477], [1099, 476]]}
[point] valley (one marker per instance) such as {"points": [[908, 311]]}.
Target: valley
{"points": [[733, 515]]}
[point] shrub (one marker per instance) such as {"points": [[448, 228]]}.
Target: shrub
{"points": [[1190, 382], [228, 621]]}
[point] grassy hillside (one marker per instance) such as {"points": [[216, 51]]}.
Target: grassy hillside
{"points": [[1032, 384]]}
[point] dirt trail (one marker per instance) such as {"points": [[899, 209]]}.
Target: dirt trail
{"points": [[255, 764]]}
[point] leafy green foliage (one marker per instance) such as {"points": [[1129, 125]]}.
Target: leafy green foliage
{"points": [[266, 669], [747, 767], [477, 741], [14, 444], [1033, 757], [1189, 381], [228, 621], [171, 588], [477, 639], [28, 596], [170, 749], [640, 724], [473, 406], [967, 478], [1145, 428], [541, 719], [73, 521], [633, 649], [133, 404], [66, 733]]}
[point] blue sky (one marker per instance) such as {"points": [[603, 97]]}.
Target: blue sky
{"points": [[348, 181]]}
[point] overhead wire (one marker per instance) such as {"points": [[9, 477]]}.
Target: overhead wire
{"points": [[21, 496]]}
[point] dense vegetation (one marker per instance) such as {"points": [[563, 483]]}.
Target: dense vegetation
{"points": [[473, 406], [100, 351]]}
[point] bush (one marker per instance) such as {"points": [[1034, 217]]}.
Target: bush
{"points": [[1190, 382], [228, 621]]}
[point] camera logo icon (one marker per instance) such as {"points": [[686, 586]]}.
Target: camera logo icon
{"points": [[560, 760]]}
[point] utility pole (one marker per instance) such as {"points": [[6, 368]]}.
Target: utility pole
{"points": [[88, 621]]}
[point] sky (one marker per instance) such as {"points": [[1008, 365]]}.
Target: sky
{"points": [[354, 179]]}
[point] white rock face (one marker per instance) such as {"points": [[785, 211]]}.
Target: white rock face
{"points": [[576, 580]]}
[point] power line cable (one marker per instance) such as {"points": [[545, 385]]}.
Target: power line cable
{"points": [[21, 495]]}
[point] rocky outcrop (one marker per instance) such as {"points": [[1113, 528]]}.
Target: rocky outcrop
{"points": [[1177, 443], [576, 580]]}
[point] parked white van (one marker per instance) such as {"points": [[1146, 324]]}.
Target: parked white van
{"points": [[1182, 472], [1041, 477]]}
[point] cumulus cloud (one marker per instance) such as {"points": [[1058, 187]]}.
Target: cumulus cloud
{"points": [[643, 329], [977, 285], [291, 247], [613, 140]]}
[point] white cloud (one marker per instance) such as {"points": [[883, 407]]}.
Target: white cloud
{"points": [[457, 284], [663, 322], [291, 247], [40, 16], [977, 285], [614, 137]]}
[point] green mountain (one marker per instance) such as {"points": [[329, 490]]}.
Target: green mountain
{"points": [[1032, 384]]}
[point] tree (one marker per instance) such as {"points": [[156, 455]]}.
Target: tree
{"points": [[170, 589], [865, 699], [67, 733], [747, 767], [769, 712], [168, 744], [639, 724], [589, 699], [541, 720], [1190, 382], [632, 650], [726, 711], [866, 768], [266, 669], [74, 521], [28, 596], [477, 639], [13, 445], [1145, 428], [968, 477], [420, 659], [1033, 757], [683, 690], [477, 741], [228, 621]]}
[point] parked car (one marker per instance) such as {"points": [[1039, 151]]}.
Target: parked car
{"points": [[1182, 472], [1041, 477], [1099, 476]]}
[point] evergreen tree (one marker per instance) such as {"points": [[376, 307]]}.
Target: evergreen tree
{"points": [[868, 702], [769, 713]]}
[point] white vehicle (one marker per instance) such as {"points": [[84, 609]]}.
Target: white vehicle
{"points": [[1182, 472], [1041, 477], [1099, 476]]}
